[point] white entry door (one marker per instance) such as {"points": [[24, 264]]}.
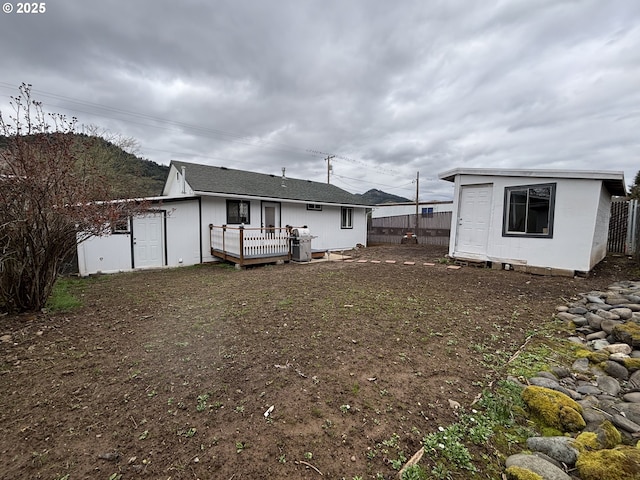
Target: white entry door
{"points": [[474, 219], [148, 248]]}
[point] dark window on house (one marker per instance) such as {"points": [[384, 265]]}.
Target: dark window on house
{"points": [[238, 212], [347, 218], [120, 226], [427, 212], [529, 210], [314, 206]]}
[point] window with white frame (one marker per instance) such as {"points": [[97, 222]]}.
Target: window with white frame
{"points": [[528, 210], [238, 211], [314, 206], [347, 217]]}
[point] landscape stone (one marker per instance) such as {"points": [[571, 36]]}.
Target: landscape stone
{"points": [[558, 448], [628, 333], [548, 383], [582, 365], [619, 348], [633, 397], [600, 344], [562, 308], [634, 380], [608, 385], [624, 313], [566, 316], [594, 416], [608, 324], [626, 424], [594, 299], [619, 357], [561, 372], [580, 321], [599, 335], [616, 370], [578, 310], [630, 410], [547, 470], [588, 390], [548, 375]]}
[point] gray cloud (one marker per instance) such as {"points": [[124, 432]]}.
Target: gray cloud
{"points": [[390, 88]]}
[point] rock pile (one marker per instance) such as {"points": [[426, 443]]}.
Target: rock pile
{"points": [[592, 410]]}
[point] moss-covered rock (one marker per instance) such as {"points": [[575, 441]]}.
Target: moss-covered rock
{"points": [[628, 333], [554, 409], [519, 473], [598, 357], [632, 364], [582, 353], [605, 436], [620, 463]]}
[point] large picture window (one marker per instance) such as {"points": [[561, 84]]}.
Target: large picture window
{"points": [[238, 211], [529, 210], [347, 217]]}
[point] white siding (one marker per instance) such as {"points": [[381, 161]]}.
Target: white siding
{"points": [[324, 224], [601, 232], [577, 204], [108, 254]]}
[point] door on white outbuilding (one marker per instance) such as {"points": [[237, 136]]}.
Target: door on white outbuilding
{"points": [[474, 218], [148, 244]]}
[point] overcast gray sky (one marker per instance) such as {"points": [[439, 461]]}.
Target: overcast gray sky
{"points": [[389, 87]]}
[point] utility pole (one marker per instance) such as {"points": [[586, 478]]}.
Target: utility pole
{"points": [[328, 159], [417, 200]]}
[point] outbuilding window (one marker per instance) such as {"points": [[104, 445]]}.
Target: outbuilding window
{"points": [[347, 217], [528, 210], [238, 211]]}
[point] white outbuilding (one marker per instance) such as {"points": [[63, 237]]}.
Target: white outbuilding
{"points": [[541, 221]]}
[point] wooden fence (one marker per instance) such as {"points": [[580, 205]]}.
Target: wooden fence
{"points": [[433, 229], [624, 228]]}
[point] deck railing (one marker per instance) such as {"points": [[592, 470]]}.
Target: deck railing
{"points": [[246, 244]]}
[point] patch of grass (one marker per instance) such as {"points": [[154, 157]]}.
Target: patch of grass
{"points": [[62, 299]]}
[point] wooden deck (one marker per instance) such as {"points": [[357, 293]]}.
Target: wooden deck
{"points": [[250, 246]]}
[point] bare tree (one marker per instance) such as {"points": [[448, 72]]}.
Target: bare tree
{"points": [[51, 198]]}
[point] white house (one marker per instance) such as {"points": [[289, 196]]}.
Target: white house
{"points": [[542, 221], [209, 213]]}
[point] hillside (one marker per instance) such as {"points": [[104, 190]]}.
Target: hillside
{"points": [[376, 197], [130, 175]]}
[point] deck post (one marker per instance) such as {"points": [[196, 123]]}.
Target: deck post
{"points": [[241, 232]]}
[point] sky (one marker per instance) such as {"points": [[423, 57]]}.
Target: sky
{"points": [[389, 88]]}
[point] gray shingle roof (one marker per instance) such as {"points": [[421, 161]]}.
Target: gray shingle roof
{"points": [[207, 178]]}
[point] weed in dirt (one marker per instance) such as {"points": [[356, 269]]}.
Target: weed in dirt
{"points": [[241, 446], [201, 406]]}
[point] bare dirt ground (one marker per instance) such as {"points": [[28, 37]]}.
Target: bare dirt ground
{"points": [[168, 374]]}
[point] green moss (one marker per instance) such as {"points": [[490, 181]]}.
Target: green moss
{"points": [[550, 432], [632, 364], [608, 435], [598, 357], [519, 473], [620, 463], [582, 353], [628, 333], [554, 409], [587, 441]]}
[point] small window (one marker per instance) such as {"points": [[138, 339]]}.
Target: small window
{"points": [[347, 217], [314, 206], [427, 212], [238, 212], [120, 226], [529, 210]]}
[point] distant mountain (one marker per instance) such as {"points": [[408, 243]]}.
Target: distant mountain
{"points": [[375, 197], [130, 175]]}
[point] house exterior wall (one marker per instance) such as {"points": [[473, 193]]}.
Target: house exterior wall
{"points": [[324, 224], [601, 231], [579, 206], [113, 253]]}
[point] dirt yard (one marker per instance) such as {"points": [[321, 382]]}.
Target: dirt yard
{"points": [[169, 374]]}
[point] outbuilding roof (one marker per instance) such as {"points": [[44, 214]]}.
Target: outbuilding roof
{"points": [[223, 180], [612, 180]]}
